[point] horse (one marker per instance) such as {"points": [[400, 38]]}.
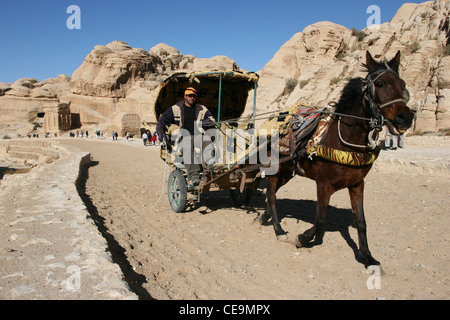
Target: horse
{"points": [[365, 106]]}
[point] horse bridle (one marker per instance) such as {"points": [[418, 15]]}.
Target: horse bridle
{"points": [[369, 90], [377, 121]]}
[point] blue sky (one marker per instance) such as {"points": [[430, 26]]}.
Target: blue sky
{"points": [[35, 41]]}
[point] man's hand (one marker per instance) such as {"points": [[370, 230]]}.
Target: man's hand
{"points": [[160, 135], [208, 124]]}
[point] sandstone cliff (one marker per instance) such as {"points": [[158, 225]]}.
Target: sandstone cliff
{"points": [[114, 86], [314, 65], [22, 103], [116, 80]]}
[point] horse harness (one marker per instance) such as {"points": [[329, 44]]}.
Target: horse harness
{"points": [[307, 138], [377, 122]]}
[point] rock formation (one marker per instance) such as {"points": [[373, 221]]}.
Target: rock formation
{"points": [[116, 85], [22, 104], [116, 79], [314, 65]]}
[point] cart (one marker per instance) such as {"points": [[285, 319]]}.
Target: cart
{"points": [[225, 94]]}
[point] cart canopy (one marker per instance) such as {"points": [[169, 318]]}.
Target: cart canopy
{"points": [[232, 87]]}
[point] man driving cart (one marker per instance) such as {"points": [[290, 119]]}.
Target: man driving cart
{"points": [[193, 119]]}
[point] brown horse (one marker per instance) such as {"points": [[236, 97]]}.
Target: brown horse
{"points": [[364, 107]]}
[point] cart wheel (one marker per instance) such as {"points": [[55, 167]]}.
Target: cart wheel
{"points": [[240, 198], [177, 191]]}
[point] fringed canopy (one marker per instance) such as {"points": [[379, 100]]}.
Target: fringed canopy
{"points": [[234, 91]]}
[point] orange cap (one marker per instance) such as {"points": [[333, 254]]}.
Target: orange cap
{"points": [[190, 91]]}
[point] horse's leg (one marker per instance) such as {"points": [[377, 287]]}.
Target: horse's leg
{"points": [[324, 193], [273, 184], [267, 215], [356, 198]]}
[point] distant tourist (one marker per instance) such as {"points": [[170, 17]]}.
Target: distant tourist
{"points": [[154, 138], [397, 141], [145, 138]]}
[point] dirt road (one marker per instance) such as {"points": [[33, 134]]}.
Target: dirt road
{"points": [[219, 252]]}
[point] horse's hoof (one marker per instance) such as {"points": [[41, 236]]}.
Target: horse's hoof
{"points": [[264, 219], [300, 241], [282, 237], [368, 260]]}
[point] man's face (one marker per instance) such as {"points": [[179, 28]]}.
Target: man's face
{"points": [[190, 99]]}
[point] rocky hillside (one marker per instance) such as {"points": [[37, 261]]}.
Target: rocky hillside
{"points": [[313, 66], [117, 79], [112, 82]]}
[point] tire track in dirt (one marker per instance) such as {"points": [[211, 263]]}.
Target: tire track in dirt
{"points": [[219, 252]]}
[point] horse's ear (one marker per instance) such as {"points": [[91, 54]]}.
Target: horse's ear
{"points": [[371, 64], [395, 62]]}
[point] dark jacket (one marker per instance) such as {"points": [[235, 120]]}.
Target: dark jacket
{"points": [[175, 115]]}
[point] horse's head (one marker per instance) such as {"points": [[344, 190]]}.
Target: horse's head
{"points": [[387, 94]]}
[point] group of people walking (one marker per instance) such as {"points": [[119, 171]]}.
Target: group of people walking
{"points": [[148, 138], [79, 133]]}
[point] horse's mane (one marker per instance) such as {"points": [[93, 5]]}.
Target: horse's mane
{"points": [[351, 93], [353, 90]]}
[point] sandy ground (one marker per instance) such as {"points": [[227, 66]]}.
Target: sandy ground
{"points": [[215, 251]]}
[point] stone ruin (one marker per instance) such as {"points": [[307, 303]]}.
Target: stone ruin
{"points": [[123, 122], [57, 117]]}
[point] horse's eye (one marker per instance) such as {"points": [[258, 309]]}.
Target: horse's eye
{"points": [[379, 84]]}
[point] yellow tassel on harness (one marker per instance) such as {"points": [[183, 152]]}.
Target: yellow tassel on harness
{"points": [[354, 159]]}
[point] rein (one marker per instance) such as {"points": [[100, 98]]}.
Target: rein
{"points": [[375, 123]]}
